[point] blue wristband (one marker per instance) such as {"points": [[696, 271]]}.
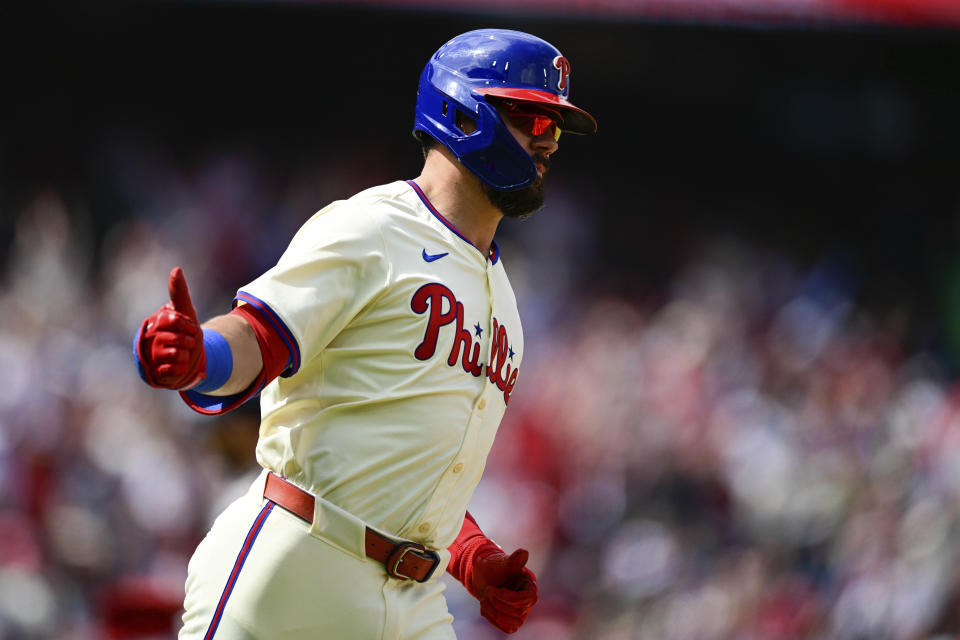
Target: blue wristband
{"points": [[219, 361], [136, 356]]}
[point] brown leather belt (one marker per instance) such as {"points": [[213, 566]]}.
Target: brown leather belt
{"points": [[403, 560]]}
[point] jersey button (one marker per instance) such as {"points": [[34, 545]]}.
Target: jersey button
{"points": [[482, 404], [424, 527], [457, 468]]}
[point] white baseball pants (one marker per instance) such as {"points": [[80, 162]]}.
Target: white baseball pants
{"points": [[263, 573]]}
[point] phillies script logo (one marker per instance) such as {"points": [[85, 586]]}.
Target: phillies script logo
{"points": [[431, 297], [563, 66]]}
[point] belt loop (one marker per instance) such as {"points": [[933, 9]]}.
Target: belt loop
{"points": [[338, 527]]}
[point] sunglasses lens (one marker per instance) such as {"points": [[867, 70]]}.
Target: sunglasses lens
{"points": [[536, 124]]}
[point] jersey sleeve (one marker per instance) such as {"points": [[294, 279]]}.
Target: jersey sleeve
{"points": [[334, 267], [275, 355]]}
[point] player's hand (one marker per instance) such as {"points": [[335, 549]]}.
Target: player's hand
{"points": [[169, 346], [506, 589]]}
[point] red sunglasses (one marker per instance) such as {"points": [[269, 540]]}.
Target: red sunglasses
{"points": [[531, 119]]}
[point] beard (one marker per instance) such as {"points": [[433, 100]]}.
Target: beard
{"points": [[521, 203]]}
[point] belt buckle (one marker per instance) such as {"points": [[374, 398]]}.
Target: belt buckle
{"points": [[393, 562]]}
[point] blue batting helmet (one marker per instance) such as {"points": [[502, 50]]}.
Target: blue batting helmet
{"points": [[494, 63]]}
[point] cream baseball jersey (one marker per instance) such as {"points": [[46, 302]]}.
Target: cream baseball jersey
{"points": [[407, 347]]}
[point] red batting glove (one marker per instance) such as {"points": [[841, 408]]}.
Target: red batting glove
{"points": [[169, 345], [506, 589]]}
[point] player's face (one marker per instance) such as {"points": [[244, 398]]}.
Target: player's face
{"points": [[537, 131]]}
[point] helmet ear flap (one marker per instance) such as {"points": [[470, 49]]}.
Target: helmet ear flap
{"points": [[494, 155], [465, 123], [490, 151]]}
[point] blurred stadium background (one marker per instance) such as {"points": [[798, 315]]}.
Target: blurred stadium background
{"points": [[738, 417]]}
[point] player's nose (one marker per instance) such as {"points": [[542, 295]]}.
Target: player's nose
{"points": [[545, 143]]}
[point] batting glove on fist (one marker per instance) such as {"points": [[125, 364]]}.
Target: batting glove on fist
{"points": [[169, 345], [506, 589]]}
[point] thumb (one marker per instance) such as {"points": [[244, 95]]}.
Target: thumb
{"points": [[180, 294], [516, 561], [499, 569]]}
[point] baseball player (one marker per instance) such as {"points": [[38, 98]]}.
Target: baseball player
{"points": [[385, 346]]}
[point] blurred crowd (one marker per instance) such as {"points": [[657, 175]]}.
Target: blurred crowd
{"points": [[744, 453]]}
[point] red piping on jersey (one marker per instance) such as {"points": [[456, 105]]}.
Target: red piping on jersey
{"points": [[495, 250], [237, 566]]}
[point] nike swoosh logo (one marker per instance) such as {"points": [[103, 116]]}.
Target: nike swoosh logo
{"points": [[435, 256]]}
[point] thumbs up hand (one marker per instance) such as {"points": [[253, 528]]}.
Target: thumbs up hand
{"points": [[506, 589], [169, 346]]}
